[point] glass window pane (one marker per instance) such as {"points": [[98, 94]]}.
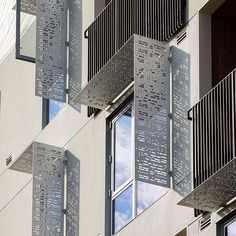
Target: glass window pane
{"points": [[147, 194], [54, 108], [231, 229], [27, 30], [122, 209], [123, 143]]}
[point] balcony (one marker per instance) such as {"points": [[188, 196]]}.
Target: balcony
{"points": [[121, 19], [214, 161]]}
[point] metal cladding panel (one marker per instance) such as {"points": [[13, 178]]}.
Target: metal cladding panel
{"points": [[151, 104], [110, 81], [24, 162], [75, 49], [73, 195], [51, 49], [215, 192], [48, 190], [181, 164]]}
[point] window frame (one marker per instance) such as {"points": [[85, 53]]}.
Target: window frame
{"points": [[45, 112], [224, 222], [108, 167], [19, 56], [130, 182], [109, 172]]}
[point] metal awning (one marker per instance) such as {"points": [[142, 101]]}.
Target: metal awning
{"points": [[24, 162], [110, 81], [215, 192]]}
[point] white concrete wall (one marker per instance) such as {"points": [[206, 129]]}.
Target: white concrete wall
{"points": [[20, 122]]}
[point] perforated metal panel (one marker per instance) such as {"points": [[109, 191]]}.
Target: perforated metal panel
{"points": [[227, 209], [51, 49], [110, 81], [215, 192], [27, 6], [75, 49], [180, 123], [24, 162], [151, 102], [48, 190], [127, 94], [156, 19], [73, 195]]}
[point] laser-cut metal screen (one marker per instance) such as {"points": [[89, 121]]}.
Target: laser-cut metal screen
{"points": [[156, 19], [151, 104], [75, 49], [28, 6], [73, 195], [181, 162], [48, 190], [115, 76], [51, 34], [24, 161], [215, 192]]}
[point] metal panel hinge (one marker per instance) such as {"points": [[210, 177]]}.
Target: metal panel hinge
{"points": [[67, 43], [110, 125], [64, 211], [109, 193], [67, 91], [110, 159], [170, 115], [170, 59], [65, 162], [171, 173], [86, 34]]}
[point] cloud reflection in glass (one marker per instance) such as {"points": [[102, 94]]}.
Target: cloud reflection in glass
{"points": [[54, 108]]}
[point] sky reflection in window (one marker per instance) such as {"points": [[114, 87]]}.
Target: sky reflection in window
{"points": [[147, 194], [231, 229], [123, 156], [54, 108], [122, 209]]}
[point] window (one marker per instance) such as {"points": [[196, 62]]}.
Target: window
{"points": [[129, 198], [54, 108], [50, 109], [230, 229], [25, 30], [227, 226]]}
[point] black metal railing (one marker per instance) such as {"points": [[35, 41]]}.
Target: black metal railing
{"points": [[214, 131], [156, 19]]}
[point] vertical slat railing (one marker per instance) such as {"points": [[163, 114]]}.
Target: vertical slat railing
{"points": [[214, 130], [214, 134], [156, 19]]}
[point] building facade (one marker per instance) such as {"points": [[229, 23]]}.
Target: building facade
{"points": [[117, 118]]}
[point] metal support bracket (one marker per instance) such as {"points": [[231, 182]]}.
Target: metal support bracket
{"points": [[64, 211], [189, 117], [67, 91]]}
